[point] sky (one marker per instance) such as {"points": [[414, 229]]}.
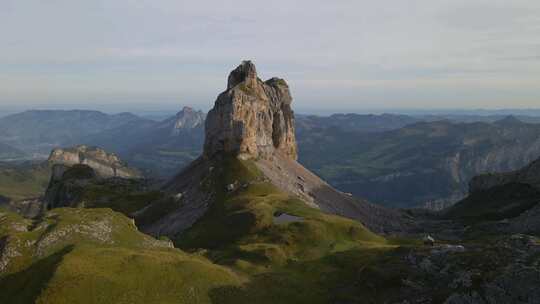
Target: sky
{"points": [[355, 55]]}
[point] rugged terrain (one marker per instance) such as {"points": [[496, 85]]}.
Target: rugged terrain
{"points": [[393, 160], [245, 223], [427, 163], [253, 121], [502, 202], [98, 256]]}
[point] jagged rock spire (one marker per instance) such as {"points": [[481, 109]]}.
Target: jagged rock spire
{"points": [[246, 72], [251, 118]]}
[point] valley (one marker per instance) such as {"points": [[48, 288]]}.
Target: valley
{"points": [[393, 160]]}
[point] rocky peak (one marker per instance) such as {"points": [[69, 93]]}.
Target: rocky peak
{"points": [[105, 164], [245, 73], [252, 118], [187, 119]]}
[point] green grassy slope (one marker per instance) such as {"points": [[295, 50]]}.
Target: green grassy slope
{"points": [[98, 256], [301, 261], [242, 221], [237, 253], [315, 257]]}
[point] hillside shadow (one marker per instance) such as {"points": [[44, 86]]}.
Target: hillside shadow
{"points": [[354, 276], [25, 286]]}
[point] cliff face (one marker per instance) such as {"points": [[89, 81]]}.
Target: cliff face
{"points": [[251, 118], [105, 164], [67, 185]]}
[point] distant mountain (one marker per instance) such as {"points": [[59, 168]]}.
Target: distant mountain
{"points": [[163, 147], [38, 131], [396, 160], [477, 118], [354, 122], [421, 163], [8, 152]]}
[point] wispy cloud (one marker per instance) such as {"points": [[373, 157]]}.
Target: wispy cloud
{"points": [[82, 49]]}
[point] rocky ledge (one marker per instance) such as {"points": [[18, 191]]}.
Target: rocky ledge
{"points": [[103, 163]]}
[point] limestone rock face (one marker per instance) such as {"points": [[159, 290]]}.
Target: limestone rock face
{"points": [[105, 164], [252, 118]]}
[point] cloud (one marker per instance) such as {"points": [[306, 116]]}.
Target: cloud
{"points": [[81, 49]]}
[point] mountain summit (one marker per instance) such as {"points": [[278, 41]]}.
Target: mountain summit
{"points": [[187, 119], [250, 141], [251, 118]]}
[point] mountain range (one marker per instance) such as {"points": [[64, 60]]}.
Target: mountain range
{"points": [[394, 160], [41, 131], [426, 163], [245, 222], [8, 152]]}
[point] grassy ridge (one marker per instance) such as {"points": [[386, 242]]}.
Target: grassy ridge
{"points": [[241, 222], [303, 261], [239, 253], [98, 256]]}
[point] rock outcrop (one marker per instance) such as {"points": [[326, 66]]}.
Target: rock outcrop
{"points": [[502, 203], [79, 186], [252, 118], [528, 175], [105, 164]]}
